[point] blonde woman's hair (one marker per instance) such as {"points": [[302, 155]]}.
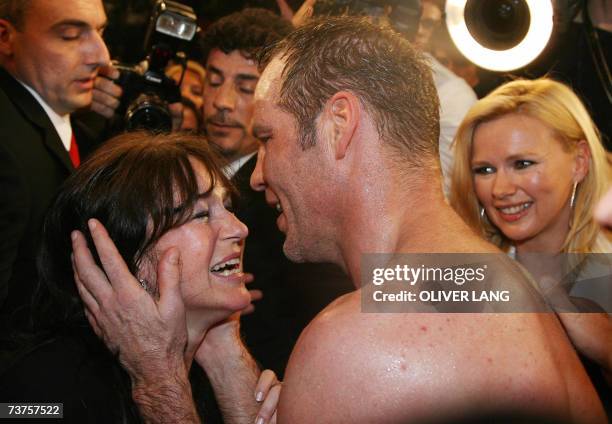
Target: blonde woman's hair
{"points": [[558, 107]]}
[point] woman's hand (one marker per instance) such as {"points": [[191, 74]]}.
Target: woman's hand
{"points": [[267, 392]]}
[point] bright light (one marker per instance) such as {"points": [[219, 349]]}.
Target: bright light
{"points": [[518, 56]]}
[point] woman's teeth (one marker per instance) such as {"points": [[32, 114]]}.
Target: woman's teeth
{"points": [[515, 209], [227, 268]]}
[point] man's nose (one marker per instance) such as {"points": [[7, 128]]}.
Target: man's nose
{"points": [[257, 179], [98, 54], [225, 97]]}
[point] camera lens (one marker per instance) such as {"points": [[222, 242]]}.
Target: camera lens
{"points": [[148, 112], [497, 24]]}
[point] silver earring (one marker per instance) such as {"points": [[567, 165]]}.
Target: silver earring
{"points": [[482, 213], [144, 283], [573, 198]]}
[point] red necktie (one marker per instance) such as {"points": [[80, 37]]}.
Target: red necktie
{"points": [[74, 152]]}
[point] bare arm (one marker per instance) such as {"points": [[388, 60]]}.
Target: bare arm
{"points": [[232, 372], [168, 399]]}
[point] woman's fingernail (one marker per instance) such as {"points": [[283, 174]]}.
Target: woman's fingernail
{"points": [[259, 420], [259, 396]]}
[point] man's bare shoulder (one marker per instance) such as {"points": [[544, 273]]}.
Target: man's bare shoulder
{"points": [[350, 366]]}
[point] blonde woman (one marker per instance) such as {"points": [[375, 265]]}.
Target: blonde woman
{"points": [[529, 170]]}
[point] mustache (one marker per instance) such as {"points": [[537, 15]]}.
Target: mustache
{"points": [[221, 118]]}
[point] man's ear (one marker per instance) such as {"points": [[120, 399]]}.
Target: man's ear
{"points": [[342, 111], [7, 34], [582, 160]]}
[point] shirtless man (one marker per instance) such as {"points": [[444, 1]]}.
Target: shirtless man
{"points": [[603, 212], [348, 122]]}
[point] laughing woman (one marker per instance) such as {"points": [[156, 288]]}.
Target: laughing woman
{"points": [[157, 196], [529, 170]]}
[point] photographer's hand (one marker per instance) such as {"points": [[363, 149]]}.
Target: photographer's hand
{"points": [[106, 93], [301, 16]]}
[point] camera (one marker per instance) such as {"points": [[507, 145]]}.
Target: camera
{"points": [[147, 91]]}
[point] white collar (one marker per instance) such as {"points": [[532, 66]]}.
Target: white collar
{"points": [[60, 123], [231, 169]]}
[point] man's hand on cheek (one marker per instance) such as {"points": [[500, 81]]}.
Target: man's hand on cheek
{"points": [[145, 333]]}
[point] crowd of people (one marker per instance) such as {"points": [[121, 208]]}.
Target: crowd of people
{"points": [[151, 277]]}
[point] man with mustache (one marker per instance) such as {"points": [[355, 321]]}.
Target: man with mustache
{"points": [[49, 57], [231, 75]]}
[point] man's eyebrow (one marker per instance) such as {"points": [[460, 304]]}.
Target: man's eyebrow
{"points": [[247, 77], [77, 23], [72, 23], [212, 68]]}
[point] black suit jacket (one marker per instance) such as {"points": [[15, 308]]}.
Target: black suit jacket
{"points": [[33, 164]]}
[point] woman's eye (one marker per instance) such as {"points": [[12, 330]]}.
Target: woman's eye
{"points": [[202, 215], [483, 170], [522, 164]]}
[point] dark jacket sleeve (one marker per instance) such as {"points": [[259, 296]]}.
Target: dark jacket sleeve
{"points": [[14, 211]]}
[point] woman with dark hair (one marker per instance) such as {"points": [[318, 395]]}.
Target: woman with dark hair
{"points": [[153, 194]]}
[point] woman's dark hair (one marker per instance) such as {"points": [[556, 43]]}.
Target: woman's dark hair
{"points": [[138, 185]]}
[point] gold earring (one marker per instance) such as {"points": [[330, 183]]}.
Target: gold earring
{"points": [[573, 198]]}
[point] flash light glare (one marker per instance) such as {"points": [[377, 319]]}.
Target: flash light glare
{"points": [[175, 27], [523, 53]]}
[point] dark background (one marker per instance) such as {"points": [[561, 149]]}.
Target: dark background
{"points": [[567, 57]]}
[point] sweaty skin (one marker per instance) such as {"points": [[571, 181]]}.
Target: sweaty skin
{"points": [[355, 367], [345, 196]]}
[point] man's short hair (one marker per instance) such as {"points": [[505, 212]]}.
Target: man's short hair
{"points": [[391, 79], [14, 11], [247, 31]]}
